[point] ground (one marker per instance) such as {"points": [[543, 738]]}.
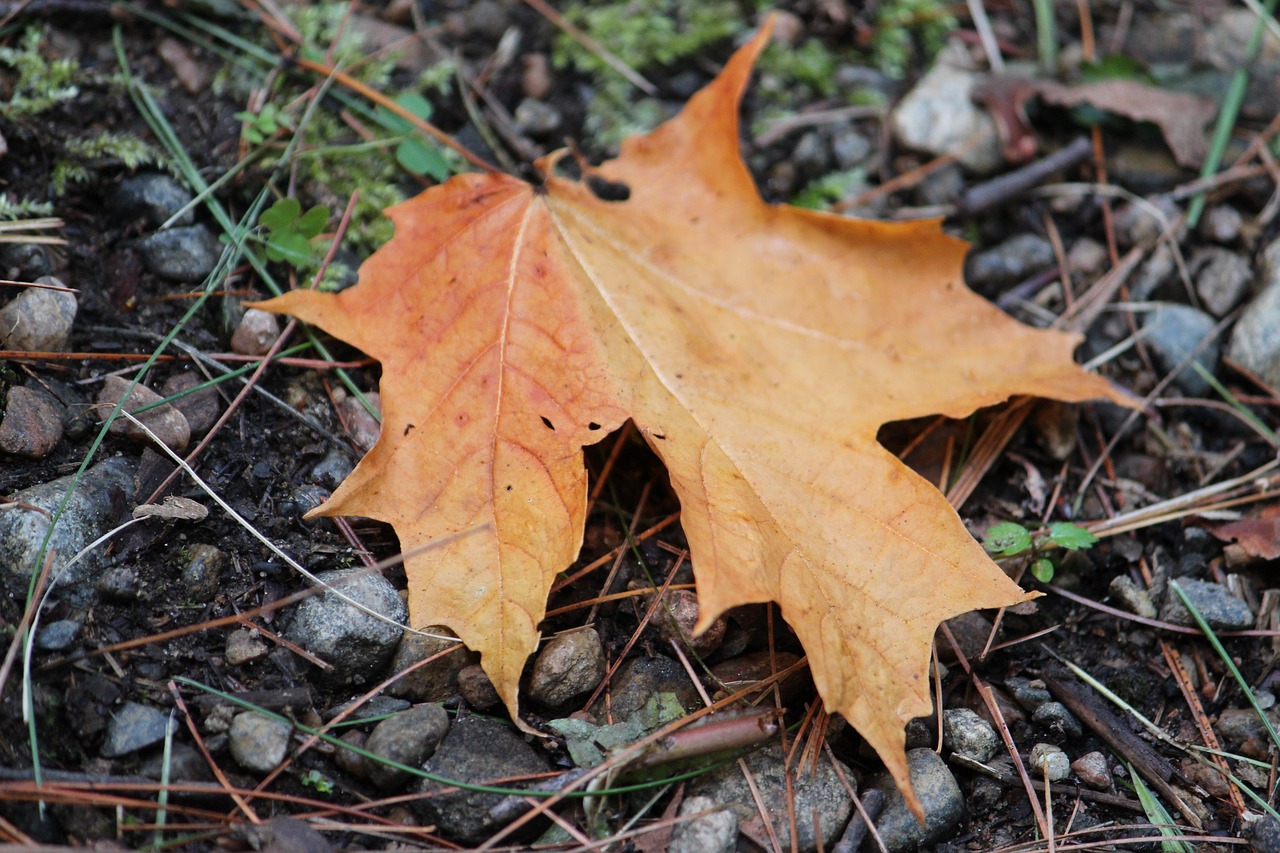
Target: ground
{"points": [[84, 83]]}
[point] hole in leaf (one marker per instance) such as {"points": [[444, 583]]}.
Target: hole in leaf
{"points": [[593, 426], [548, 424], [408, 428], [608, 190], [508, 488], [659, 436]]}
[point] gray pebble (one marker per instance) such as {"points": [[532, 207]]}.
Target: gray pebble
{"points": [[1134, 598], [136, 727], [431, 682], [200, 408], [486, 19], [1155, 271], [167, 423], [1221, 223], [715, 832], [818, 795], [639, 680], [1048, 760], [118, 583], [58, 636], [938, 793], [202, 575], [476, 750], [810, 155], [152, 197], [1087, 257], [408, 738], [1055, 717], [186, 764], [967, 734], [850, 148], [477, 689], [23, 261], [378, 706], [569, 666], [256, 332], [1237, 725], [244, 646], [1172, 331], [938, 116], [258, 743], [1137, 224], [183, 255], [334, 467], [537, 118], [1028, 693], [1264, 835], [30, 424], [38, 319], [1222, 279], [350, 760], [354, 642], [89, 512], [1010, 262], [1222, 610], [1092, 770], [1254, 342]]}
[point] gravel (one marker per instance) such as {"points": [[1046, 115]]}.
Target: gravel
{"points": [[408, 738], [258, 743], [136, 727], [38, 319], [354, 642], [939, 795]]}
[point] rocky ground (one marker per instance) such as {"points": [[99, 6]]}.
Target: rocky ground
{"points": [[175, 644]]}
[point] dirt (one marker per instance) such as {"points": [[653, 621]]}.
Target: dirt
{"points": [[258, 460]]}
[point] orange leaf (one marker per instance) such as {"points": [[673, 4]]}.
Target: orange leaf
{"points": [[757, 348]]}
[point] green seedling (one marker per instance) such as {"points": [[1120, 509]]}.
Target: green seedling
{"points": [[1010, 539], [290, 231], [413, 153], [262, 125], [317, 780]]}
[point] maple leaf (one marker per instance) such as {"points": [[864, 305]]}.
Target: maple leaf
{"points": [[758, 350]]}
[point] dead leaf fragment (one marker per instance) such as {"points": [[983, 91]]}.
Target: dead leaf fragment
{"points": [[173, 508], [758, 350], [1255, 537]]}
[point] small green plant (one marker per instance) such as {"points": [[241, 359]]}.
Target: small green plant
{"points": [[414, 154], [317, 780], [910, 30], [42, 83], [1010, 539], [264, 124], [290, 231]]}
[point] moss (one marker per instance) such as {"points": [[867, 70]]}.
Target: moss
{"points": [[42, 83], [910, 31]]}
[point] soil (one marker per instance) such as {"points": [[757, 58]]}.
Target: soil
{"points": [[261, 457]]}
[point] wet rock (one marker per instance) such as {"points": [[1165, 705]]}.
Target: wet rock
{"points": [[89, 512], [30, 424], [819, 795], [1254, 342], [202, 575], [1055, 717], [1008, 263], [1222, 279], [537, 118], [967, 734], [119, 584], [569, 666], [136, 727], [350, 760], [258, 743], [1237, 725], [244, 646], [334, 467], [38, 319], [152, 198], [477, 689], [435, 681], [256, 333], [739, 673], [1172, 332], [408, 738], [938, 793], [476, 750], [939, 117], [1221, 223], [355, 642], [184, 255], [1222, 610], [1092, 770], [1029, 693], [362, 426], [58, 636], [1134, 598], [715, 832], [1048, 760], [167, 423], [200, 408], [641, 678], [676, 617]]}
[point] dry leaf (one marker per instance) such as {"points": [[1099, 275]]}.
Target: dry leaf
{"points": [[1255, 537], [173, 508], [758, 350]]}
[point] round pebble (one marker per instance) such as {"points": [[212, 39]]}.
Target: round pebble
{"points": [[1050, 761], [356, 643], [165, 422], [408, 738], [967, 734], [152, 198], [244, 646], [1055, 717], [202, 575], [436, 680], [38, 319], [256, 333], [136, 727], [1092, 770], [569, 666], [258, 743], [30, 424], [182, 255], [477, 689]]}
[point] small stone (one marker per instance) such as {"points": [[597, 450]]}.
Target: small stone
{"points": [[849, 148], [256, 333], [183, 255], [58, 636], [938, 117], [1221, 223], [202, 575], [1137, 224], [30, 424], [1264, 835], [437, 680], [638, 680], [1050, 761], [971, 631], [1087, 257], [476, 750], [1222, 279], [1254, 345], [334, 467], [477, 689], [486, 19], [362, 426], [258, 743], [152, 198], [714, 832], [136, 727], [1055, 717], [167, 423], [185, 764], [676, 616], [569, 666], [119, 583], [38, 319], [537, 118], [375, 708], [1157, 270], [1091, 769], [939, 795], [1134, 598], [350, 760], [1172, 331], [967, 734], [1008, 263], [244, 646], [536, 80], [1222, 610], [356, 643], [1028, 693], [23, 261], [1237, 725], [200, 408], [408, 738]]}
